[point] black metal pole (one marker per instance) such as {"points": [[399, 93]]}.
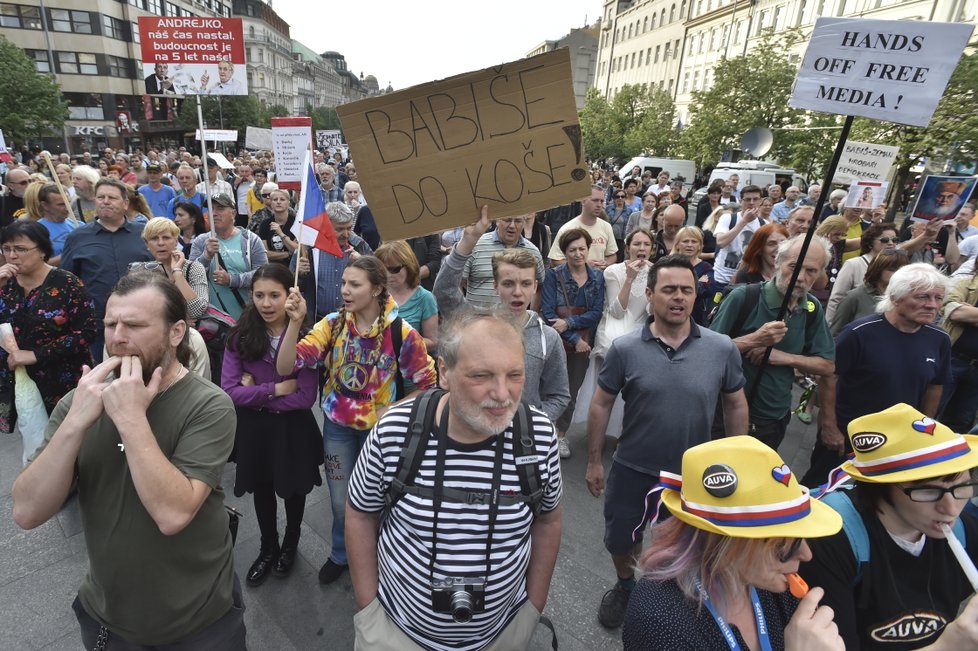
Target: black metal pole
{"points": [[819, 205]]}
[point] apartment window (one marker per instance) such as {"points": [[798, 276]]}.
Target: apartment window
{"points": [[113, 28], [696, 80], [85, 106], [155, 7], [708, 79], [629, 31], [67, 20], [118, 66], [682, 11], [762, 21], [632, 65], [172, 9], [261, 78], [847, 7], [713, 40], [667, 53], [261, 55], [672, 13], [77, 63], [675, 48], [20, 16], [670, 85], [648, 56], [139, 4], [658, 48], [653, 20], [134, 30], [779, 16], [702, 40], [640, 53], [692, 44], [645, 25], [686, 82], [40, 59]]}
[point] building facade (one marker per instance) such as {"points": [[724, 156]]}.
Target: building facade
{"points": [[92, 48], [676, 44], [583, 46], [268, 51]]}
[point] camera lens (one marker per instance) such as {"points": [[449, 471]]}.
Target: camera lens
{"points": [[462, 606]]}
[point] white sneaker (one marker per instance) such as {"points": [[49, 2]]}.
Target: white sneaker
{"points": [[563, 447]]}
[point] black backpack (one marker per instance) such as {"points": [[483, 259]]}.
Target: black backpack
{"points": [[416, 443]]}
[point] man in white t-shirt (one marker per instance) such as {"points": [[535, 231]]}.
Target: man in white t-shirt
{"points": [[604, 249], [733, 239]]}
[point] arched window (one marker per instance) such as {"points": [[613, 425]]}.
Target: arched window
{"points": [[653, 20], [672, 13]]}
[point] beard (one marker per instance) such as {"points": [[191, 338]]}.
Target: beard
{"points": [[945, 211], [484, 423], [159, 357]]}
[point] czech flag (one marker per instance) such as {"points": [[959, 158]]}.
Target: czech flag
{"points": [[314, 226]]}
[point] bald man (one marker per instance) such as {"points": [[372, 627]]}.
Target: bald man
{"points": [[671, 220], [12, 203]]}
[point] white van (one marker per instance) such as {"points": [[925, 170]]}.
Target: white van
{"points": [[675, 167]]}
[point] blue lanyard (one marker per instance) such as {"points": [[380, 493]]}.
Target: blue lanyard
{"points": [[725, 628]]}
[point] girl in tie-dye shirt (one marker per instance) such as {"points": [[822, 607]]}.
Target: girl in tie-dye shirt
{"points": [[357, 350]]}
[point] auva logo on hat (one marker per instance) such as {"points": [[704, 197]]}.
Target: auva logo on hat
{"points": [[720, 480], [868, 441]]}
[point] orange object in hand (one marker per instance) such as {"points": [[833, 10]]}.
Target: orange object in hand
{"points": [[797, 585]]}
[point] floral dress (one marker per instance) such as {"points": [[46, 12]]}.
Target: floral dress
{"points": [[55, 320]]}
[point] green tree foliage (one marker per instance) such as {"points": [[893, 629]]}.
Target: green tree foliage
{"points": [[748, 91], [638, 120], [323, 118], [30, 103], [233, 111]]}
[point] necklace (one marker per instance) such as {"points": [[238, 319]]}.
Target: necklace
{"points": [[178, 376]]}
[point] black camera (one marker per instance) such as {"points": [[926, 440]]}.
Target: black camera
{"points": [[459, 596]]}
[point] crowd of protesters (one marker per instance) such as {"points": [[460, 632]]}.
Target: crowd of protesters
{"points": [[648, 322]]}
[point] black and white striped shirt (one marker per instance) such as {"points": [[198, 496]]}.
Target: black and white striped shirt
{"points": [[405, 543]]}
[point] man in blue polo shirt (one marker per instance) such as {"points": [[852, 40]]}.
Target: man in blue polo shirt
{"points": [[100, 252], [684, 369]]}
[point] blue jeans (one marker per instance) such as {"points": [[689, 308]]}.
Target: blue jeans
{"points": [[342, 446], [960, 400]]}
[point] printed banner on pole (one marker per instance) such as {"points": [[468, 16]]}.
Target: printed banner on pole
{"points": [[893, 70], [326, 139], [291, 137], [219, 135], [941, 197], [190, 56], [431, 156], [865, 161]]}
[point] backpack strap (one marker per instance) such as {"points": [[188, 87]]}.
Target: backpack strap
{"points": [[397, 338], [416, 442], [527, 461], [853, 525], [752, 296]]}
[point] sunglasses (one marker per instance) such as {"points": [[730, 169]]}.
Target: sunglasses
{"points": [[265, 196], [619, 196], [791, 550], [395, 270], [888, 240]]}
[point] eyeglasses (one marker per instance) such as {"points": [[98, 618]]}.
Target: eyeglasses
{"points": [[265, 196], [791, 550], [149, 266], [936, 493], [887, 240], [19, 250], [395, 270], [619, 196]]}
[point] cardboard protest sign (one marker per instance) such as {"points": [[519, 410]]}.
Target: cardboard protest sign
{"points": [[892, 70], [258, 138], [431, 156], [190, 56], [328, 139], [218, 135], [941, 197], [865, 161], [867, 194], [291, 137]]}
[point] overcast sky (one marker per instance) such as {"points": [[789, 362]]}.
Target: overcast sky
{"points": [[409, 43]]}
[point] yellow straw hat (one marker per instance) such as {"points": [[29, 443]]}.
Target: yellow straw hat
{"points": [[741, 488], [900, 444]]}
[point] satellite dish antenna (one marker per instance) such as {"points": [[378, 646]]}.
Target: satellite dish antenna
{"points": [[757, 142]]}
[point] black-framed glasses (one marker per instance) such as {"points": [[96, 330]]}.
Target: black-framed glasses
{"points": [[395, 270], [936, 493], [791, 550], [619, 196], [887, 240], [19, 250]]}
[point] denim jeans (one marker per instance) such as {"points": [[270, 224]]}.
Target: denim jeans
{"points": [[342, 446], [960, 400]]}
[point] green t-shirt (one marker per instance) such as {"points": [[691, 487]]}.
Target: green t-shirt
{"points": [[150, 588], [773, 399]]}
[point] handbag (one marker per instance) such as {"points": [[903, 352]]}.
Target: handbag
{"points": [[566, 310], [214, 326]]}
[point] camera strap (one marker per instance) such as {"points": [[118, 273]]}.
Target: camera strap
{"points": [[497, 474]]}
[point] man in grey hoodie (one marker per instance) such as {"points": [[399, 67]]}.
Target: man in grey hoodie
{"points": [[514, 279]]}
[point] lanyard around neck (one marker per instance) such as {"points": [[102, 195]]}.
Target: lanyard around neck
{"points": [[728, 634]]}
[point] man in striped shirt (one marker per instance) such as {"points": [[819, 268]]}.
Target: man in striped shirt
{"points": [[394, 565], [477, 275]]}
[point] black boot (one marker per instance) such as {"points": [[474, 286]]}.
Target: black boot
{"points": [[262, 566], [286, 558]]}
